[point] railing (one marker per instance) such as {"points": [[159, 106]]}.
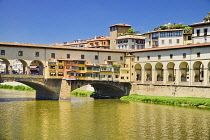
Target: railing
{"points": [[21, 76]]}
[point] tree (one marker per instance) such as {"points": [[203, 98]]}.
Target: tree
{"points": [[130, 30]]}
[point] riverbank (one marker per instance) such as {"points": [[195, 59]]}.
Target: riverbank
{"points": [[183, 101], [79, 92], [16, 87]]}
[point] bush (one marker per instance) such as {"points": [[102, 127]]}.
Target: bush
{"points": [[82, 92], [18, 87], [191, 101]]}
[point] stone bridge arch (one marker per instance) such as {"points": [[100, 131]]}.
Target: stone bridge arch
{"points": [[104, 88]]}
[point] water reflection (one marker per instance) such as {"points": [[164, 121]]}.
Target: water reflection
{"points": [[85, 118]]}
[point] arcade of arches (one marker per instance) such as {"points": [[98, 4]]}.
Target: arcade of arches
{"points": [[19, 66], [179, 73]]}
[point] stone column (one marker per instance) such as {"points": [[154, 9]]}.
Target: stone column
{"points": [[205, 76], [28, 70], [10, 70], [65, 90], [153, 76], [191, 77], [142, 76], [164, 76], [177, 79]]}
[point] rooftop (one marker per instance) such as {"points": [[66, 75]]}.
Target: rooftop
{"points": [[121, 24]]}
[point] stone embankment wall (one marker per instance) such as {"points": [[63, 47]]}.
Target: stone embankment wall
{"points": [[170, 90]]}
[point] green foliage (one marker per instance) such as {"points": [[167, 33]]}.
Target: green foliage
{"points": [[188, 30], [173, 26], [189, 101], [18, 87], [82, 92], [117, 65], [131, 30]]}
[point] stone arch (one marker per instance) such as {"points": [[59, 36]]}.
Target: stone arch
{"points": [[184, 71], [170, 72], [19, 66], [4, 67], [36, 67], [159, 71], [138, 72], [148, 72], [198, 69]]}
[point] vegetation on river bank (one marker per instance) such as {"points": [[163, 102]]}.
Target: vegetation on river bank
{"points": [[18, 87], [79, 92], [185, 101]]}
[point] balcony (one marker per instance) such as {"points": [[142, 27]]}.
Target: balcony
{"points": [[51, 63]]}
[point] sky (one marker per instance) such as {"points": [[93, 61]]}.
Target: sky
{"points": [[57, 21]]}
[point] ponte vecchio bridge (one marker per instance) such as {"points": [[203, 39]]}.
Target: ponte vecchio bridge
{"points": [[61, 69]]}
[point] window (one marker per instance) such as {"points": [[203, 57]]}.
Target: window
{"points": [[159, 57], [81, 68], [122, 77], [2, 52], [171, 56], [96, 57], [189, 37], [52, 67], [81, 62], [170, 41], [198, 32], [36, 54], [162, 34], [137, 58], [68, 55], [89, 68], [60, 74], [67, 62], [60, 61], [121, 58], [60, 67], [52, 74], [198, 54], [109, 76], [148, 57], [109, 57], [116, 76], [133, 47], [184, 55], [20, 53], [149, 43], [149, 36], [205, 32], [162, 41], [82, 56], [52, 55], [177, 41]]}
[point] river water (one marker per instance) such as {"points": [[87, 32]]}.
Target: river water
{"points": [[81, 118]]}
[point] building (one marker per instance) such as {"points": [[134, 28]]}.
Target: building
{"points": [[115, 31], [130, 42], [201, 31], [102, 42], [166, 38]]}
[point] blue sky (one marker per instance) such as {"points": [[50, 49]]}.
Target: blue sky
{"points": [[53, 21]]}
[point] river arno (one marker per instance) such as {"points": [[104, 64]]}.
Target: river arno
{"points": [[88, 119]]}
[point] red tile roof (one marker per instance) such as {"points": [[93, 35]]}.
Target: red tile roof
{"points": [[121, 24], [200, 23]]}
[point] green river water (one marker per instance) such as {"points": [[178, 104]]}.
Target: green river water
{"points": [[82, 118]]}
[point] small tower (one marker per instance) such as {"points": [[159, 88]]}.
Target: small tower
{"points": [[115, 31]]}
